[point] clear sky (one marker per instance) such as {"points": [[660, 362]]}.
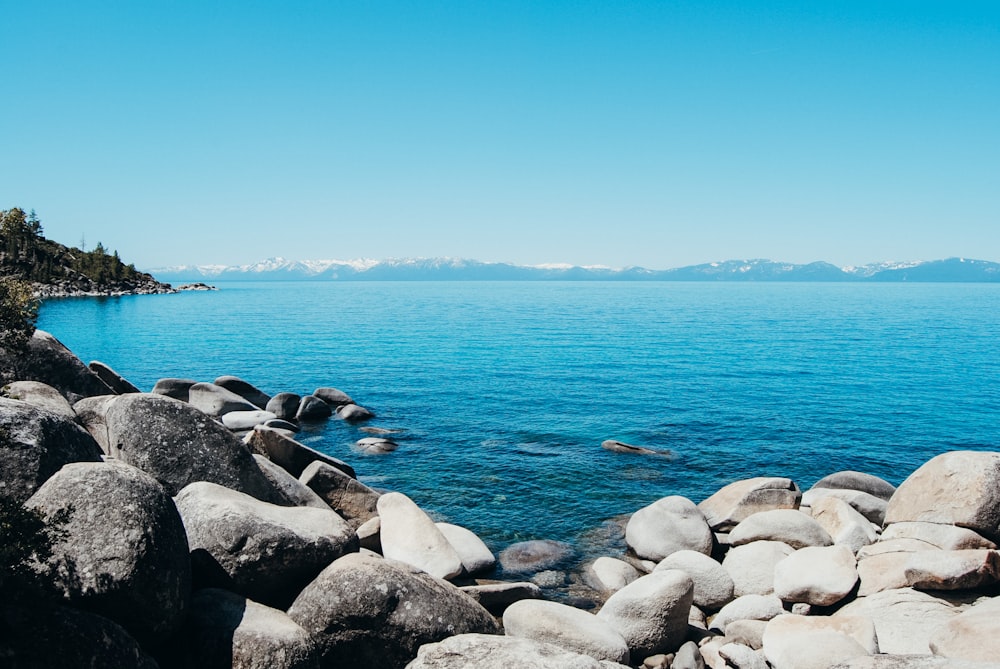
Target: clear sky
{"points": [[618, 133]]}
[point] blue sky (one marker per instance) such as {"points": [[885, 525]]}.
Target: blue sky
{"points": [[619, 133]]}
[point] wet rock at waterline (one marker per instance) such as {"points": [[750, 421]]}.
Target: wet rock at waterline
{"points": [[119, 384], [621, 447], [247, 391], [375, 445]]}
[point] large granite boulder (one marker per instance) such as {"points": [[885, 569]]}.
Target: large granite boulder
{"points": [[751, 566], [240, 421], [817, 575], [352, 499], [365, 611], [480, 651], [741, 499], [267, 553], [247, 391], [178, 444], [34, 444], [871, 507], [788, 525], [565, 626], [91, 413], [227, 630], [713, 586], [124, 553], [284, 405], [409, 535], [972, 635], [851, 480], [816, 642], [293, 490], [905, 619], [475, 555], [668, 525], [747, 607], [313, 409], [46, 636], [945, 537], [651, 613], [952, 570], [119, 384], [333, 396], [40, 395], [217, 401], [959, 488], [290, 454], [353, 413], [496, 596], [45, 359], [845, 525]]}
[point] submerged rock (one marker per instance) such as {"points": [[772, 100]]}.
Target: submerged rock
{"points": [[533, 556]]}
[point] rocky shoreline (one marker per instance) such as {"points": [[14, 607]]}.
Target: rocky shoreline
{"points": [[199, 533]]}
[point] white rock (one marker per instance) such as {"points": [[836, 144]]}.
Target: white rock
{"points": [[668, 525], [816, 642], [972, 635], [741, 499], [945, 537], [904, 619], [751, 566], [742, 657], [713, 586], [788, 525], [747, 607], [475, 554], [246, 420], [610, 574], [952, 570], [843, 523], [565, 626], [409, 535], [651, 613], [820, 575]]}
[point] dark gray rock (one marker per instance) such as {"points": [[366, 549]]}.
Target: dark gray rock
{"points": [[284, 405], [179, 444], [352, 499], [353, 413], [91, 413], [216, 401], [43, 637], [290, 454], [48, 361], [124, 554], [851, 480], [267, 552], [175, 388], [40, 395], [333, 397], [496, 597], [364, 611], [281, 424], [35, 443], [295, 492], [621, 447], [247, 391], [227, 630], [115, 381], [533, 556], [313, 409]]}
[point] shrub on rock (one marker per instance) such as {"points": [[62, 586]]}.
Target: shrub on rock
{"points": [[365, 611]]}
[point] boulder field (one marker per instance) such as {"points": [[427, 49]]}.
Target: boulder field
{"points": [[189, 528]]}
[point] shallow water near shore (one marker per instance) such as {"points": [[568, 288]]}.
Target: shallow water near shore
{"points": [[503, 392]]}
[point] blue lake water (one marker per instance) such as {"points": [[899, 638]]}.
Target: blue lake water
{"points": [[505, 391]]}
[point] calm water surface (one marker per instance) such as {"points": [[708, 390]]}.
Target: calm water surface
{"points": [[505, 391]]}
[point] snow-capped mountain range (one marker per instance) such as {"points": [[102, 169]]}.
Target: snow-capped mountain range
{"points": [[458, 269]]}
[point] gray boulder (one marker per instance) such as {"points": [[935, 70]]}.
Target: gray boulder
{"points": [[952, 570], [352, 499], [364, 611], [525, 557], [713, 586], [91, 413], [124, 554], [688, 657], [46, 636], [844, 523], [353, 413], [788, 525], [375, 445], [45, 359], [178, 444], [216, 401], [268, 553], [246, 420], [741, 499], [479, 651], [35, 443], [284, 405], [816, 642], [294, 491], [751, 566], [409, 535], [333, 397], [113, 379], [313, 409], [247, 391], [227, 630], [40, 395], [475, 555], [607, 574], [817, 575], [176, 388], [651, 613], [497, 596], [290, 454], [958, 488], [621, 447], [668, 525], [908, 662], [905, 619], [565, 626], [851, 480]]}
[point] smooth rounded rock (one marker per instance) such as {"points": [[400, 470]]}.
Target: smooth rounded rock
{"points": [[845, 525], [364, 611], [375, 445], [817, 575], [353, 413], [290, 454], [475, 555], [247, 391], [294, 491], [651, 613], [807, 642], [905, 619], [478, 651], [751, 566], [786, 525], [713, 586], [353, 500], [45, 359], [172, 387], [497, 596], [668, 525], [852, 480], [284, 405], [118, 383], [333, 396], [246, 420], [972, 635], [609, 574], [741, 499], [91, 413], [952, 570], [124, 553], [747, 607], [313, 409], [567, 627], [217, 401], [40, 395], [945, 537], [871, 507], [534, 556], [267, 553], [409, 535]]}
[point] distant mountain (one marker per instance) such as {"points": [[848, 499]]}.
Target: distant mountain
{"points": [[458, 269]]}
